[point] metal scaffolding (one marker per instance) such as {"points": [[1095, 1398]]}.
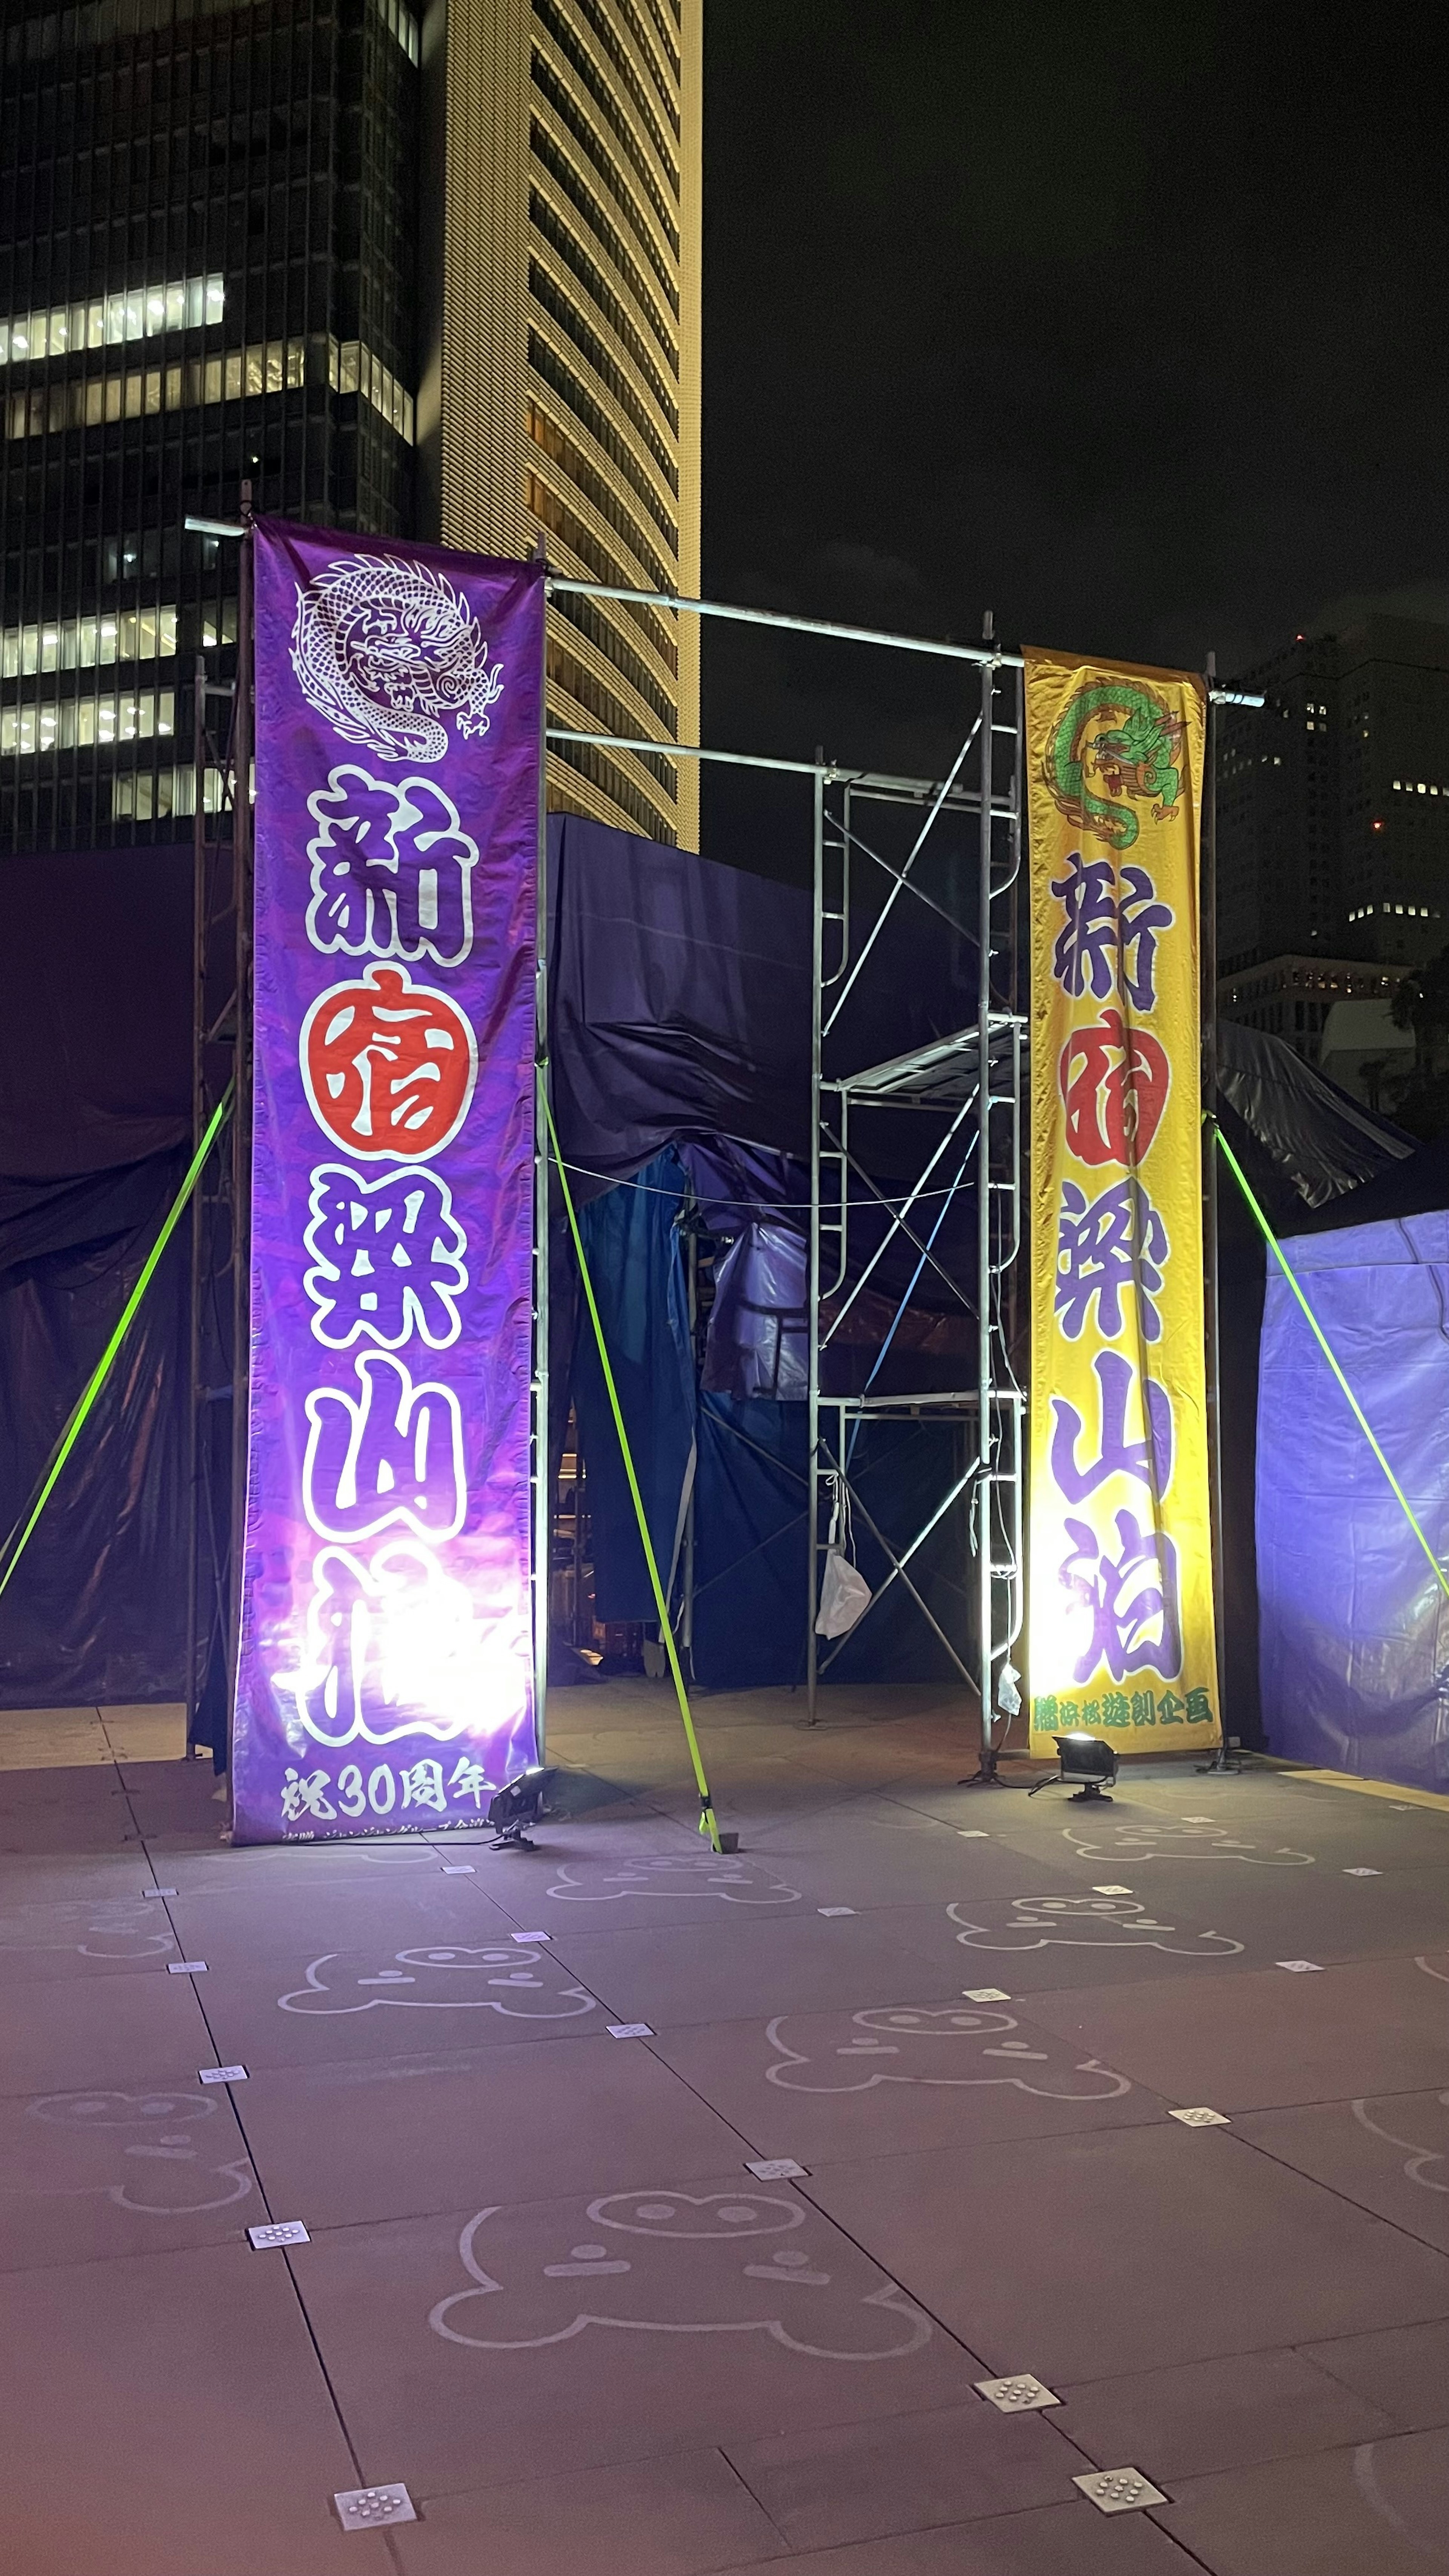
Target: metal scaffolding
{"points": [[965, 1131], [964, 1135], [216, 1443]]}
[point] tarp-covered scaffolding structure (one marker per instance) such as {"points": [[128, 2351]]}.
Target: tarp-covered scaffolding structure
{"points": [[791, 1073], [913, 1217]]}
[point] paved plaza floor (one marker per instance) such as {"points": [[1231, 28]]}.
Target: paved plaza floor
{"points": [[522, 2103]]}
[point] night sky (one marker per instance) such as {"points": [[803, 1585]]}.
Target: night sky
{"points": [[1127, 323]]}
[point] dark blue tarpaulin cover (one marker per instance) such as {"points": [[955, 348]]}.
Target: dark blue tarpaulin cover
{"points": [[95, 1108], [679, 1001], [1354, 1627], [750, 1585], [631, 1244]]}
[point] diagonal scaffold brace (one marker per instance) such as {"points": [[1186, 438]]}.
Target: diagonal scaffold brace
{"points": [[707, 1821]]}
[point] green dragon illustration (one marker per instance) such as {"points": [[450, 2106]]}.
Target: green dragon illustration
{"points": [[1137, 756]]}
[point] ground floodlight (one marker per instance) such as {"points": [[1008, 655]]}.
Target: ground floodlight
{"points": [[1084, 1759], [521, 1803]]}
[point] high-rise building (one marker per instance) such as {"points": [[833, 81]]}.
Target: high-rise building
{"points": [[1333, 800], [431, 274]]}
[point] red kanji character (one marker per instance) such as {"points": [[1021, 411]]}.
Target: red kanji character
{"points": [[1114, 1083], [389, 1065]]}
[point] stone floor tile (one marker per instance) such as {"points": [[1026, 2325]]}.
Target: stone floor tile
{"points": [[69, 2034], [636, 2322], [166, 2416], [1259, 2041], [398, 2137], [1222, 2414], [864, 2481], [1128, 2249], [1379, 2509], [905, 2075], [683, 2516], [121, 2170], [1390, 2153], [1404, 2370]]}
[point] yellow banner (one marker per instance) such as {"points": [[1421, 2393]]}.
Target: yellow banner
{"points": [[1121, 1638]]}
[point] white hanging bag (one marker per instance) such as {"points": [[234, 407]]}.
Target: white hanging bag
{"points": [[845, 1595]]}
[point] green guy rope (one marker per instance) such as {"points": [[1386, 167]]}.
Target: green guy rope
{"points": [[707, 1824], [102, 1369], [1316, 1329]]}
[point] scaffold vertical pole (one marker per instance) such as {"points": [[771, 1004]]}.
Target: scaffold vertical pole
{"points": [[241, 835], [199, 916], [1208, 949], [541, 1461], [983, 1214], [812, 1285]]}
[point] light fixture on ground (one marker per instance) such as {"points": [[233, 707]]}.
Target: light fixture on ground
{"points": [[1086, 1760], [521, 1803]]}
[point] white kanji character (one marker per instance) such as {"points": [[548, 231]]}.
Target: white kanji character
{"points": [[469, 1781], [422, 1786], [306, 1797]]}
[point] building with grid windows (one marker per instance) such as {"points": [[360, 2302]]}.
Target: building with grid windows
{"points": [[426, 272], [1333, 801]]}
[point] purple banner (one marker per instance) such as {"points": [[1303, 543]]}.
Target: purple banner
{"points": [[385, 1680]]}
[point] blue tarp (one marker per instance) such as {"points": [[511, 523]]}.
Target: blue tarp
{"points": [[750, 1549], [632, 1248], [1354, 1628]]}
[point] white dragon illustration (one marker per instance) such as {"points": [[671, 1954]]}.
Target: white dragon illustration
{"points": [[387, 650]]}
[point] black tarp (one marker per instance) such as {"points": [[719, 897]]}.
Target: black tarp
{"points": [[679, 1002], [95, 1073], [96, 1611]]}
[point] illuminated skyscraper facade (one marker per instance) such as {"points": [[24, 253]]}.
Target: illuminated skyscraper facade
{"points": [[559, 384], [431, 273]]}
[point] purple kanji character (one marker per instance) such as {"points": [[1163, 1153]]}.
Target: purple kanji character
{"points": [[1149, 1460], [1133, 1599], [1103, 931], [1115, 1242], [1140, 916], [391, 869], [393, 1454], [387, 1257], [1086, 947]]}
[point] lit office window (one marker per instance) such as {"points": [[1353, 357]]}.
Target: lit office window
{"points": [[148, 795], [352, 369], [71, 723], [401, 23], [137, 313], [80, 643], [267, 368]]}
